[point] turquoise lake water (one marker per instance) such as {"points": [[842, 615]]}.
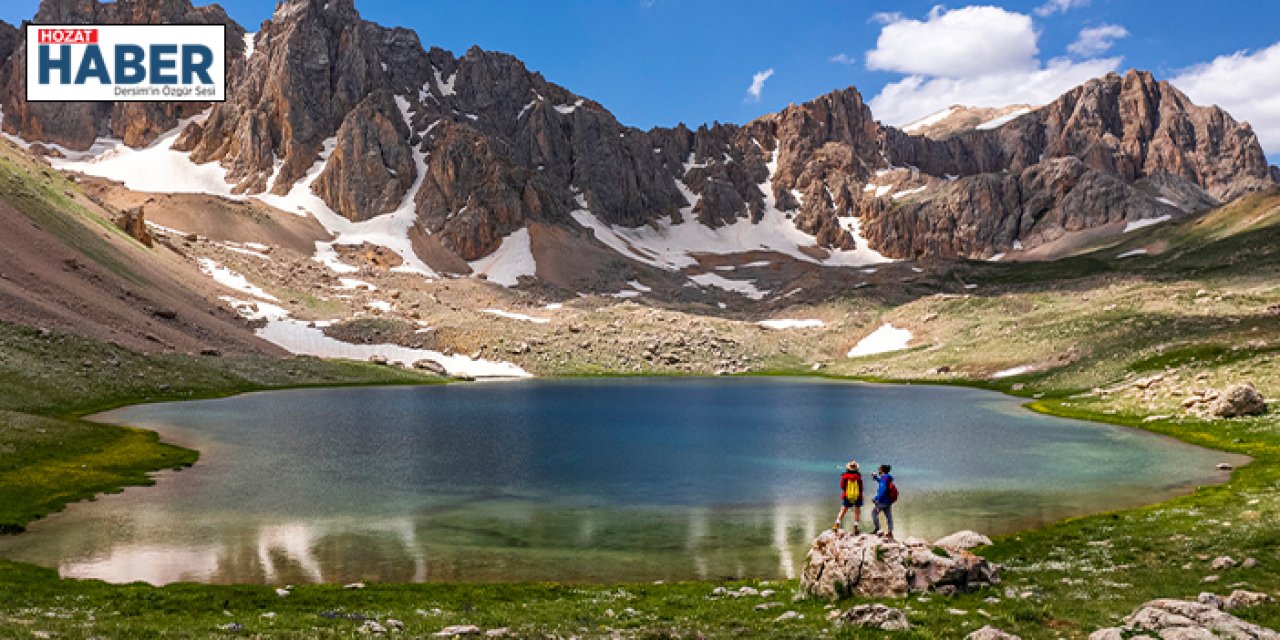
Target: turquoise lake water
{"points": [[601, 480]]}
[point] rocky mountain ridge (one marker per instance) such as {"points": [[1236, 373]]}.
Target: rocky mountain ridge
{"points": [[478, 147]]}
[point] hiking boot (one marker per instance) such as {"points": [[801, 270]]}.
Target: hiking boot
{"points": [[835, 527], [856, 530]]}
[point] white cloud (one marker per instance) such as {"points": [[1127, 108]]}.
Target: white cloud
{"points": [[886, 17], [964, 42], [1059, 6], [980, 56], [1246, 84], [843, 58], [757, 84], [1097, 40]]}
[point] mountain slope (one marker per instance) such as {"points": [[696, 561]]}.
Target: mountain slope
{"points": [[64, 265]]}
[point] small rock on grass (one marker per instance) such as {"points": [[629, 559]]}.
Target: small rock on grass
{"points": [[991, 633], [371, 627], [790, 615], [456, 630], [1223, 562], [1240, 599], [963, 540], [875, 616]]}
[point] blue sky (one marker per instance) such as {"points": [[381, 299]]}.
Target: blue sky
{"points": [[659, 62]]}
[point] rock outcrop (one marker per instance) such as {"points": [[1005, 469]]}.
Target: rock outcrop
{"points": [[1167, 618], [1239, 400], [76, 125], [842, 564], [134, 223]]}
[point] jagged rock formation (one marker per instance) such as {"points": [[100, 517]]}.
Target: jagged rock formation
{"points": [[478, 147], [1114, 149], [77, 124], [843, 564]]}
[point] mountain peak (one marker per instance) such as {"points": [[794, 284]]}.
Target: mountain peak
{"points": [[294, 9]]}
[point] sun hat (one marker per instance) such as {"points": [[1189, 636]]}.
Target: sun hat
{"points": [[852, 466]]}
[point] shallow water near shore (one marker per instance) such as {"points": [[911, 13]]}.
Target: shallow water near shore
{"points": [[583, 480]]}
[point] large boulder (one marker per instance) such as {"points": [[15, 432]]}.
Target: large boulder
{"points": [[1171, 619], [843, 564], [1239, 400]]}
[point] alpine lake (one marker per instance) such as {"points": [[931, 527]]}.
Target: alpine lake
{"points": [[603, 480]]}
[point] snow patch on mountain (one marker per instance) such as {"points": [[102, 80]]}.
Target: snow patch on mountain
{"points": [[886, 339], [390, 230], [155, 168], [299, 337], [232, 280], [996, 123], [1013, 371], [671, 246], [791, 324], [1146, 222], [511, 315], [446, 86], [744, 287], [512, 260], [931, 119]]}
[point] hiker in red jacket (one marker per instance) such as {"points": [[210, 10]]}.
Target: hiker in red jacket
{"points": [[850, 495]]}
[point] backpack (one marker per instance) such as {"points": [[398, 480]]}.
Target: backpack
{"points": [[892, 494], [852, 492]]}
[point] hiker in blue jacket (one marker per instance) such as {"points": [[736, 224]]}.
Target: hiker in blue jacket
{"points": [[886, 495]]}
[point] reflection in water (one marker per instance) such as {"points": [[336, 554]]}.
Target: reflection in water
{"points": [[581, 481], [417, 549]]}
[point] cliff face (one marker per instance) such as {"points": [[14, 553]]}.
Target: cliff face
{"points": [[76, 125], [478, 146]]}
